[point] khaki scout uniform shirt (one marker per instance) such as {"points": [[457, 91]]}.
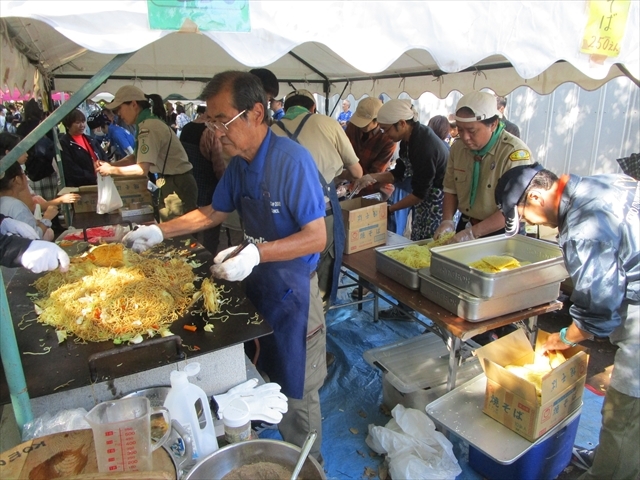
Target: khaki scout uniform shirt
{"points": [[508, 152], [326, 140], [152, 144]]}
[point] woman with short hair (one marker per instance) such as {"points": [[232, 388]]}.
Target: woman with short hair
{"points": [[80, 153]]}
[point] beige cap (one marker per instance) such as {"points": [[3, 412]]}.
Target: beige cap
{"points": [[395, 110], [302, 93], [482, 104], [128, 93], [366, 112]]}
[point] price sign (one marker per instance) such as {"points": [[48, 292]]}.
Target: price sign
{"points": [[605, 27]]}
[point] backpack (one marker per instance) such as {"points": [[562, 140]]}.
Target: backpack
{"points": [[40, 160]]}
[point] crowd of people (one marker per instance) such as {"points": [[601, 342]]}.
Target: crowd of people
{"points": [[280, 165]]}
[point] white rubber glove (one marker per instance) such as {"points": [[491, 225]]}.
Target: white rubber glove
{"points": [[465, 235], [447, 226], [9, 226], [236, 268], [362, 182], [143, 238], [42, 256], [266, 402]]}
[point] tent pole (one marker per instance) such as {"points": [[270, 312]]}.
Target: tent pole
{"points": [[12, 365], [8, 345], [61, 112]]}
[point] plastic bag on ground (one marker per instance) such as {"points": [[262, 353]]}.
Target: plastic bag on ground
{"points": [[108, 197], [414, 448]]}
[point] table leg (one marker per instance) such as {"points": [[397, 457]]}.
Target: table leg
{"points": [[455, 345], [374, 289]]}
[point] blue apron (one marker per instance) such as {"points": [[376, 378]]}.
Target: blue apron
{"points": [[339, 233], [280, 292]]}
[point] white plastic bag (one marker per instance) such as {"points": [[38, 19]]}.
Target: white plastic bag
{"points": [[62, 421], [414, 448], [108, 197]]}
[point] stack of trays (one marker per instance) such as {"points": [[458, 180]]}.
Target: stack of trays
{"points": [[475, 295]]}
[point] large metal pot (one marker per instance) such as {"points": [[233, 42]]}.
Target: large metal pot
{"points": [[223, 461]]}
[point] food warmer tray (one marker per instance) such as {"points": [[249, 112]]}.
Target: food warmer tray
{"points": [[450, 264], [398, 271], [475, 309]]}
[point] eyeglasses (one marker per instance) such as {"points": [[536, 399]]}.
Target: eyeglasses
{"points": [[217, 126]]}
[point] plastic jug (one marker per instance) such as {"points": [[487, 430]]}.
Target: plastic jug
{"points": [[184, 400], [122, 434]]}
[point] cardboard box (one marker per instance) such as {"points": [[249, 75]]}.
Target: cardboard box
{"points": [[514, 402], [365, 222], [131, 190]]}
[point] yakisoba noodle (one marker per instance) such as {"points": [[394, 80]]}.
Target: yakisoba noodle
{"points": [[418, 256], [99, 303]]}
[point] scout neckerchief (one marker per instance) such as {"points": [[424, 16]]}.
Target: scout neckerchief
{"points": [[146, 114], [293, 112], [477, 157]]}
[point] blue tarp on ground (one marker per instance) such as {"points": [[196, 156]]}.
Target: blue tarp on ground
{"points": [[352, 394]]}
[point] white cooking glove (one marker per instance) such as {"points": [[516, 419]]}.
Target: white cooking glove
{"points": [[42, 256], [9, 226], [447, 226], [362, 182], [143, 238], [236, 268], [465, 235], [266, 402]]}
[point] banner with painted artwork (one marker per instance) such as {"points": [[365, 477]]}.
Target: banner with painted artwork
{"points": [[207, 15]]}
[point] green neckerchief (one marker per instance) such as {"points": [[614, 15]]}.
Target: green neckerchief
{"points": [[478, 155], [295, 111], [145, 114]]}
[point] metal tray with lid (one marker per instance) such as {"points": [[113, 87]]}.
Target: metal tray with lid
{"points": [[475, 309], [398, 271], [450, 264]]}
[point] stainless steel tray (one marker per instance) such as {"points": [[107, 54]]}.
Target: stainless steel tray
{"points": [[474, 309], [396, 270], [450, 264]]}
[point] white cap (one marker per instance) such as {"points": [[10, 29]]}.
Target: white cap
{"points": [[236, 414]]}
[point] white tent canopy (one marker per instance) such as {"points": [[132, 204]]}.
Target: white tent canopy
{"points": [[369, 47]]}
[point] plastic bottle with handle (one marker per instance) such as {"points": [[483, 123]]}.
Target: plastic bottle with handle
{"points": [[183, 401]]}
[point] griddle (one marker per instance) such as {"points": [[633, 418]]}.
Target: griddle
{"points": [[70, 365]]}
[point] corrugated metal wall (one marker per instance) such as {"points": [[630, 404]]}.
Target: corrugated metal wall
{"points": [[569, 131]]}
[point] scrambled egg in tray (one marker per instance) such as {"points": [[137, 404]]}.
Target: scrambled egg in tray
{"points": [[497, 263]]}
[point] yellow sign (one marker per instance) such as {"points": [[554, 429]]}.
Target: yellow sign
{"points": [[605, 27]]}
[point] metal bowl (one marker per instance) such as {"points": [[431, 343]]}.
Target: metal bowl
{"points": [[156, 395], [227, 459]]}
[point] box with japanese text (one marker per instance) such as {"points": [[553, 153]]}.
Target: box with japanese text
{"points": [[365, 223], [514, 401], [131, 190]]}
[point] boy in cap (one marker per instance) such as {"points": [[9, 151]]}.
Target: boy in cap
{"points": [[599, 233], [373, 148], [477, 160]]}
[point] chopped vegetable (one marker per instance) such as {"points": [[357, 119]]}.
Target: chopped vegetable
{"points": [[208, 327], [191, 328], [136, 339], [62, 335]]}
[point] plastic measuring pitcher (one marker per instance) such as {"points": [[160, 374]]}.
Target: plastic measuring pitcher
{"points": [[122, 434]]}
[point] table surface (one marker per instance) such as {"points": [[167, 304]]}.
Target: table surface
{"points": [[363, 263], [71, 364], [460, 412]]}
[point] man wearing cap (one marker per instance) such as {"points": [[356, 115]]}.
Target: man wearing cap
{"points": [[120, 139], [273, 184], [334, 156], [372, 146], [599, 233], [423, 160], [476, 162]]}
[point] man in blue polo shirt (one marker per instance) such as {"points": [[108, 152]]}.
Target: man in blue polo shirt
{"points": [[119, 138], [273, 184]]}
